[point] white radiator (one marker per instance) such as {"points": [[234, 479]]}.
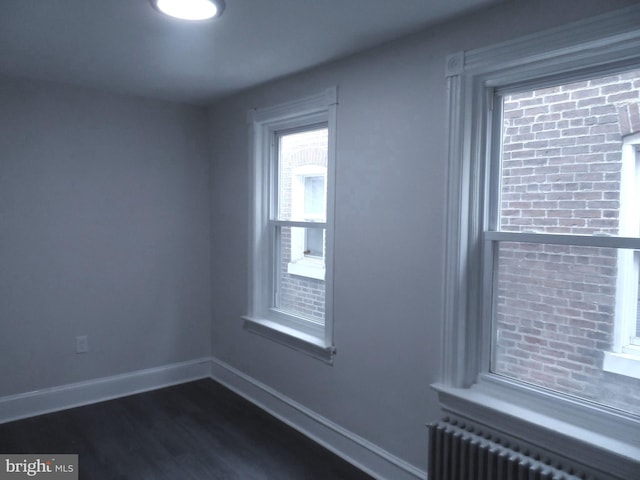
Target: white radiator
{"points": [[458, 453]]}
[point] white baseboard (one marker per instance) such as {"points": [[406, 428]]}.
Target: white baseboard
{"points": [[23, 405], [356, 450]]}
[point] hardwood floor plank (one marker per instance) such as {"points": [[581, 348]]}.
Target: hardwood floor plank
{"points": [[195, 431]]}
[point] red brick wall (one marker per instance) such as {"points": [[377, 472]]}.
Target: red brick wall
{"points": [[561, 165]]}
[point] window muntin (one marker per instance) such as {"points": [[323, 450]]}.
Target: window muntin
{"points": [[563, 300]]}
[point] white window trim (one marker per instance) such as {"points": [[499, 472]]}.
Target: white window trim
{"points": [[624, 359], [602, 440], [304, 335]]}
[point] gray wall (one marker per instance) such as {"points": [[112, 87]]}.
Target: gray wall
{"points": [[104, 231], [105, 209], [389, 241]]}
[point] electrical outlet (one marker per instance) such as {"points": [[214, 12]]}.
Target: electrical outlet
{"points": [[82, 344]]}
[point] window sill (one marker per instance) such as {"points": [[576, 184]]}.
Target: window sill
{"points": [[622, 363], [303, 342], [604, 442], [307, 268]]}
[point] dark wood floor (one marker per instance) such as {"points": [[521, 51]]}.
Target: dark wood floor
{"points": [[195, 431]]}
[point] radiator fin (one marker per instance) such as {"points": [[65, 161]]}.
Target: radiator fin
{"points": [[457, 452]]}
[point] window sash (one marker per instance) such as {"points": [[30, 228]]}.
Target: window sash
{"points": [[265, 126], [491, 235], [275, 160]]}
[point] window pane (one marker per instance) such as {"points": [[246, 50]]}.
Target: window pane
{"points": [[302, 170], [301, 293], [555, 308], [563, 169]]}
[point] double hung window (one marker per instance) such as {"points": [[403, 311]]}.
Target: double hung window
{"points": [[292, 237], [562, 237], [544, 238]]}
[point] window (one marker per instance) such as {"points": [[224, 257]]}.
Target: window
{"points": [[541, 294], [291, 250], [624, 356], [562, 182]]}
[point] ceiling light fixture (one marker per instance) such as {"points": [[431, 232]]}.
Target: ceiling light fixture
{"points": [[190, 9]]}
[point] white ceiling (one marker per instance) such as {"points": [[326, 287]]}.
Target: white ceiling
{"points": [[126, 46]]}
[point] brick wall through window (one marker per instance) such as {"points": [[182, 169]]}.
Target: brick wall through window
{"points": [[561, 165]]}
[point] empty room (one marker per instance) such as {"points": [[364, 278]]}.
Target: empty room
{"points": [[301, 239]]}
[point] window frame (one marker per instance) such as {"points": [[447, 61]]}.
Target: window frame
{"points": [[265, 124], [603, 440]]}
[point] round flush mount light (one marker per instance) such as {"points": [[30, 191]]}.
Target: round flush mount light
{"points": [[190, 9]]}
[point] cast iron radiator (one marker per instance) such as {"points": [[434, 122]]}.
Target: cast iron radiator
{"points": [[457, 452]]}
